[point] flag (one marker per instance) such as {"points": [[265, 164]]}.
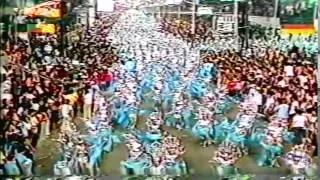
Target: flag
{"points": [[42, 28], [298, 29]]}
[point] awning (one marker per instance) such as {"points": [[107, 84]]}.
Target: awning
{"points": [[50, 9]]}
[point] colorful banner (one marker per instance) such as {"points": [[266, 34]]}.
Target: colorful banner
{"points": [[50, 9], [46, 28], [295, 30], [42, 28]]}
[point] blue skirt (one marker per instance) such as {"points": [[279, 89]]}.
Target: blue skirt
{"points": [[203, 132], [149, 138], [177, 169], [189, 119], [96, 155], [238, 139], [268, 155], [12, 169], [136, 167], [223, 130], [124, 120]]}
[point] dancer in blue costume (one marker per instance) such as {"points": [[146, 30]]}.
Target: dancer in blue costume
{"points": [[102, 141], [207, 71], [167, 97], [138, 161], [197, 89], [95, 155], [138, 166], [240, 137], [174, 79], [108, 139], [224, 105], [188, 116], [11, 167], [204, 128], [170, 118], [225, 159], [224, 128], [130, 63], [154, 132], [176, 117], [24, 163], [271, 149], [126, 117], [257, 136], [146, 86], [204, 131], [244, 125]]}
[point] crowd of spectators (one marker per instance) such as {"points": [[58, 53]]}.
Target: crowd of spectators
{"points": [[262, 8], [281, 80], [297, 8], [37, 83]]}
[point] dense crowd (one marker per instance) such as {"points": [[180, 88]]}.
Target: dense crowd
{"points": [[130, 68], [262, 8], [280, 82], [297, 8], [44, 87]]}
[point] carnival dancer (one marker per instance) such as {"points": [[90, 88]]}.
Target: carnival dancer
{"points": [[204, 128], [271, 150], [225, 159], [299, 161]]}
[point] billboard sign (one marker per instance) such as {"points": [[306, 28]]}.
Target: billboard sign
{"points": [[225, 23], [168, 2], [205, 11]]}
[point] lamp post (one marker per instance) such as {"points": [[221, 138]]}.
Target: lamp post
{"points": [[236, 24], [247, 11], [193, 26], [275, 16]]}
